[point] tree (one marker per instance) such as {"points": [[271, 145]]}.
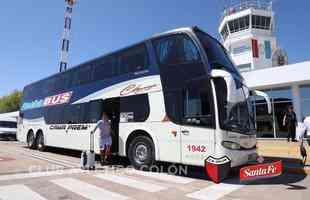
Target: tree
{"points": [[11, 102]]}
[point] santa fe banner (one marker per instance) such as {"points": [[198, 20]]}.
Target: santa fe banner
{"points": [[261, 171], [217, 168]]}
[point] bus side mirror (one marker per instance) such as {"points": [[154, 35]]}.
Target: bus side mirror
{"points": [[265, 96]]}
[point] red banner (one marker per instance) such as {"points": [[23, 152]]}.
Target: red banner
{"points": [[261, 171], [255, 50]]}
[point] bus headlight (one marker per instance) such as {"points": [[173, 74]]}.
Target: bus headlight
{"points": [[231, 145]]}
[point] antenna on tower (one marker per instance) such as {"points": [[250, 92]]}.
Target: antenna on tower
{"points": [[65, 42]]}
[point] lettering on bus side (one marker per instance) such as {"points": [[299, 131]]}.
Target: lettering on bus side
{"points": [[57, 99], [76, 127], [136, 89]]}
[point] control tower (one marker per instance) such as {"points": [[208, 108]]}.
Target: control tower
{"points": [[247, 29]]}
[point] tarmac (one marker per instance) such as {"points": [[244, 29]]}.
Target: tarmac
{"points": [[288, 152]]}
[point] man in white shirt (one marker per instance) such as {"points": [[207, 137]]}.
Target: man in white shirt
{"points": [[306, 123]]}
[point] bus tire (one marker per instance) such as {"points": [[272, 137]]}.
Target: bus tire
{"points": [[141, 153], [31, 143], [40, 142]]}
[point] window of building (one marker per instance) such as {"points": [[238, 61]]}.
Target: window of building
{"points": [[261, 22], [239, 24], [224, 32], [272, 125], [305, 100], [244, 67], [133, 60]]}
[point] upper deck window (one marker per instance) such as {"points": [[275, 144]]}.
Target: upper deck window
{"points": [[216, 53], [261, 22], [105, 68], [133, 60], [176, 50], [239, 24]]}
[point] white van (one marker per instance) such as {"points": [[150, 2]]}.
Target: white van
{"points": [[8, 127]]}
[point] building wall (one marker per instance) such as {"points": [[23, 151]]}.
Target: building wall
{"points": [[286, 85]]}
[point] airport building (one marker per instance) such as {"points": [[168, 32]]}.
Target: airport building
{"points": [[247, 29]]}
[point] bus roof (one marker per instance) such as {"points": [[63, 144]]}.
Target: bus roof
{"points": [[178, 30]]}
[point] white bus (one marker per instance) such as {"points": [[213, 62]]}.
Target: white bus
{"points": [[175, 97]]}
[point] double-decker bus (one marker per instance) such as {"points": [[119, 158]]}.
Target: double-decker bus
{"points": [[176, 97]]}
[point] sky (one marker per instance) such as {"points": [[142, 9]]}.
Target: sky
{"points": [[31, 30]]}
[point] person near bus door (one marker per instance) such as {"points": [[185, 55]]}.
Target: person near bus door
{"points": [[290, 122], [105, 140]]}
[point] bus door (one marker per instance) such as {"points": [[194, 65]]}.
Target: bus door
{"points": [[197, 129], [112, 108]]}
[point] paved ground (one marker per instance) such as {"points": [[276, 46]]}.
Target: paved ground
{"points": [[287, 151], [116, 182]]}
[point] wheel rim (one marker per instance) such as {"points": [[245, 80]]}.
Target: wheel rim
{"points": [[141, 153]]}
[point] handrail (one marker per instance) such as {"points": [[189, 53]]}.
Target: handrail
{"points": [[247, 4]]}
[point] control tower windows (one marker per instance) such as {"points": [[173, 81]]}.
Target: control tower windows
{"points": [[224, 32], [261, 22], [239, 24]]}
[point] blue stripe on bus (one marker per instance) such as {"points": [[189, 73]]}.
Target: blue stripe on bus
{"points": [[83, 91]]}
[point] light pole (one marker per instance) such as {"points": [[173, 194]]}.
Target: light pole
{"points": [[65, 42]]}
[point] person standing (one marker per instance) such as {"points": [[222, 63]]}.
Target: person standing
{"points": [[306, 123], [105, 140], [290, 122]]}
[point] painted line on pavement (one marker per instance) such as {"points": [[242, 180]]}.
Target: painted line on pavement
{"points": [[87, 190], [18, 192], [214, 192], [148, 187], [163, 176], [39, 174]]}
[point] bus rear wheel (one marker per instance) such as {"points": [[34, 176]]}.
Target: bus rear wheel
{"points": [[40, 142], [31, 143], [141, 153]]}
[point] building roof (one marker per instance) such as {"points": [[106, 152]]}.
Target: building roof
{"points": [[282, 76]]}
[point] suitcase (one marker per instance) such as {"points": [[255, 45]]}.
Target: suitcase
{"points": [[88, 156]]}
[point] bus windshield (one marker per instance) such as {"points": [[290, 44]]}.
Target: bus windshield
{"points": [[216, 53], [235, 111]]}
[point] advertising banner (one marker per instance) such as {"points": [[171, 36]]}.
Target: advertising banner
{"points": [[261, 171]]}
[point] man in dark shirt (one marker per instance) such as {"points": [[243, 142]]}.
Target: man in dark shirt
{"points": [[290, 122]]}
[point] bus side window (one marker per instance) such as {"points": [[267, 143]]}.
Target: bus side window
{"points": [[93, 111], [134, 59], [85, 75], [135, 108], [105, 68], [197, 107]]}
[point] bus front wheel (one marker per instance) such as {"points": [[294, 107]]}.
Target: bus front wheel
{"points": [[141, 153], [31, 140]]}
